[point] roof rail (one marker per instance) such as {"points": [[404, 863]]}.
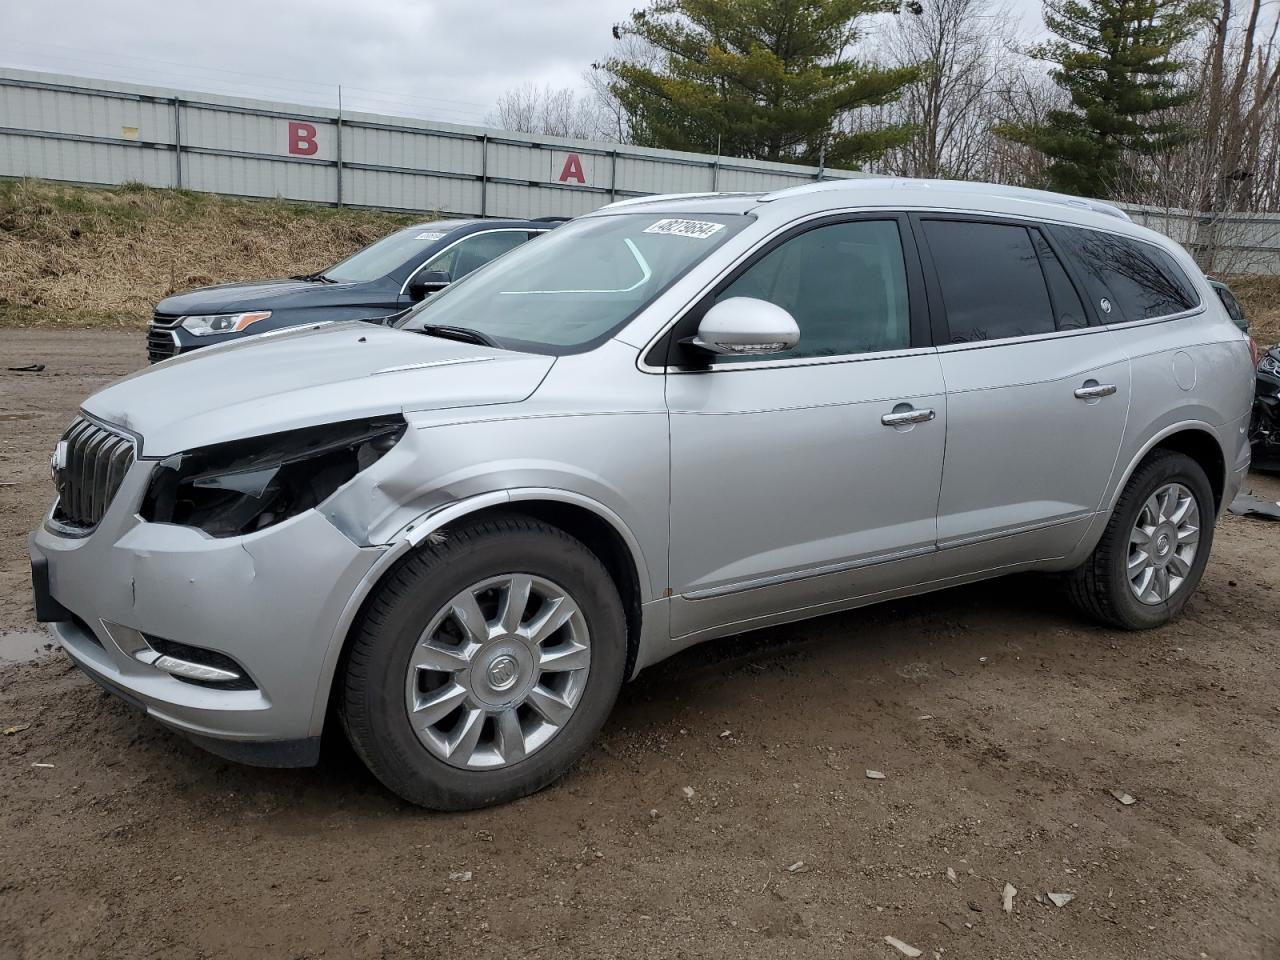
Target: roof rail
{"points": [[657, 198], [956, 186], [663, 197]]}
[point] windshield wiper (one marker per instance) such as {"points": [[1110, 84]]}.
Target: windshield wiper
{"points": [[314, 278], [464, 334]]}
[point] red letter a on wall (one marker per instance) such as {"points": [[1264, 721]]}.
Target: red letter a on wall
{"points": [[572, 170]]}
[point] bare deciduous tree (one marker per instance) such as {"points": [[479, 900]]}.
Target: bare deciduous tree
{"points": [[965, 48], [974, 78], [1233, 164], [550, 112], [1024, 95]]}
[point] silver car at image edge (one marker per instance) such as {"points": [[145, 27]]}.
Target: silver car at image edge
{"points": [[673, 419]]}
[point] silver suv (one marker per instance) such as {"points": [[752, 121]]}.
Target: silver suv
{"points": [[670, 420]]}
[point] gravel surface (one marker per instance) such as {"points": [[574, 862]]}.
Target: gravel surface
{"points": [[727, 810]]}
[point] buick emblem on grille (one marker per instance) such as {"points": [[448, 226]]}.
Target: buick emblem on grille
{"points": [[58, 463]]}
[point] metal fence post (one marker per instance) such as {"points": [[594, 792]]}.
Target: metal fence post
{"points": [[338, 146], [613, 175], [177, 142], [484, 175]]}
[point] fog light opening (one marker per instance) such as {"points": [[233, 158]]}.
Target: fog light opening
{"points": [[196, 665]]}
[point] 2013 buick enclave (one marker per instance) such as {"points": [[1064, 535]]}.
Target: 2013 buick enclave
{"points": [[670, 420]]}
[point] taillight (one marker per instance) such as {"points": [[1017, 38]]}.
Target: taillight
{"points": [[1253, 351]]}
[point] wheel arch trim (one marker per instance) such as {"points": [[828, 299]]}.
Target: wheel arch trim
{"points": [[1182, 426], [412, 535]]}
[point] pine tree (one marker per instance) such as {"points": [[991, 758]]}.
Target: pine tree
{"points": [[1115, 58], [763, 79]]}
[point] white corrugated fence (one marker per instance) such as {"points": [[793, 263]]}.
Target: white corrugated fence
{"points": [[100, 132]]}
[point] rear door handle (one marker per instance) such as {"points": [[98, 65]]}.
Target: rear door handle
{"points": [[1095, 391], [904, 418]]}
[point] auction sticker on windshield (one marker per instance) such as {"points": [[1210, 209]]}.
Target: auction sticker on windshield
{"points": [[429, 236], [697, 229]]}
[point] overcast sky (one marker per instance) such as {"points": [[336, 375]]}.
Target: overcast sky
{"points": [[441, 59]]}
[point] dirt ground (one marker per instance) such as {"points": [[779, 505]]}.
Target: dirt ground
{"points": [[1000, 720]]}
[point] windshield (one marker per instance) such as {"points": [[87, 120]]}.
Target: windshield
{"points": [[578, 284], [379, 259]]}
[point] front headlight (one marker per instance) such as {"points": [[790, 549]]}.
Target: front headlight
{"points": [[205, 326], [234, 488]]}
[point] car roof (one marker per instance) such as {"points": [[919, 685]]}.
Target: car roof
{"points": [[898, 193]]}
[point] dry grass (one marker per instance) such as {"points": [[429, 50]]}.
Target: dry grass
{"points": [[81, 256]]}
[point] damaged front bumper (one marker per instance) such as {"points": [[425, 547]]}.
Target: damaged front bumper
{"points": [[269, 607]]}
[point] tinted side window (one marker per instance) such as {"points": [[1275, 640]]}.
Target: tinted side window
{"points": [[1067, 306], [1128, 279], [1234, 310], [845, 284], [991, 280], [475, 252]]}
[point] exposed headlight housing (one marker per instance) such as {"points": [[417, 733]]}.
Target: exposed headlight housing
{"points": [[1269, 364], [233, 488], [210, 324]]}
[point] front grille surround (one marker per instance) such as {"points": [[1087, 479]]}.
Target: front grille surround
{"points": [[162, 344], [166, 321], [96, 461]]}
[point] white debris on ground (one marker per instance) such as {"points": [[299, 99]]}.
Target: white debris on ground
{"points": [[1061, 899], [689, 793], [1123, 797], [906, 948], [951, 874], [460, 876], [1010, 891], [874, 775]]}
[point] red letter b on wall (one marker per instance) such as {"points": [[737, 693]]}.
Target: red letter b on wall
{"points": [[302, 138]]}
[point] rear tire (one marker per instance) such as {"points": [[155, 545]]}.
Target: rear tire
{"points": [[1168, 502], [483, 667]]}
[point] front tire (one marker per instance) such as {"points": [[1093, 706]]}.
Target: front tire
{"points": [[484, 666], [1155, 547]]}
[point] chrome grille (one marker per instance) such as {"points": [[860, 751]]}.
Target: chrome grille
{"points": [[166, 320], [88, 471]]}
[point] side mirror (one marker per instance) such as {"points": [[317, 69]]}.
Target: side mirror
{"points": [[428, 282], [745, 326]]}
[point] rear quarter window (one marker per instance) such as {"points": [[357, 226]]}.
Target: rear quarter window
{"points": [[1232, 305], [1128, 279]]}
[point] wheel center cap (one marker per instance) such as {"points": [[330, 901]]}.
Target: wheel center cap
{"points": [[1162, 544], [503, 672]]}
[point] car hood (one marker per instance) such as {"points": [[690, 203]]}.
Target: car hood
{"points": [[305, 376], [259, 295]]}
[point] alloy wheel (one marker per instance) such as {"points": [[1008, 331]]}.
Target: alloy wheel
{"points": [[1163, 544], [498, 672]]}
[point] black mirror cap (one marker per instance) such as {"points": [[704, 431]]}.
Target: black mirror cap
{"points": [[428, 282]]}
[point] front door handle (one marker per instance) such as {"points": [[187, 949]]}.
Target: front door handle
{"points": [[904, 418], [1095, 391]]}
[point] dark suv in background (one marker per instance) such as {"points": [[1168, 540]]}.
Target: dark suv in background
{"points": [[377, 283]]}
